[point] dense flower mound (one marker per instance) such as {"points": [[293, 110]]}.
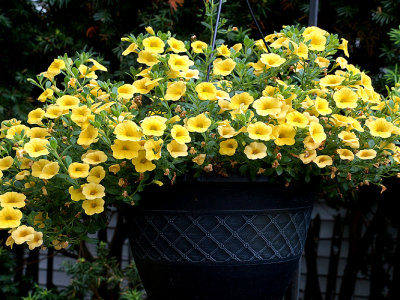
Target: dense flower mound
{"points": [[294, 108]]}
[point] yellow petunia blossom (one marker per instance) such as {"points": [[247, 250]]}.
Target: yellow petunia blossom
{"points": [[12, 199], [349, 139], [148, 58], [317, 133], [331, 80], [10, 217], [199, 159], [128, 131], [296, 119], [342, 62], [272, 60], [150, 30], [259, 131], [179, 62], [267, 106], [94, 157], [223, 67], [21, 130], [36, 116], [180, 134], [36, 147], [284, 134], [175, 90], [53, 111], [366, 154], [78, 170], [144, 85], [322, 62], [22, 175], [190, 74], [228, 147], [131, 48], [176, 45], [47, 94], [308, 156], [36, 241], [198, 46], [322, 106], [199, 123], [68, 102], [45, 169], [96, 175], [223, 50], [345, 154], [153, 44], [317, 41], [380, 127], [237, 47], [226, 131], [94, 206], [343, 46], [255, 150], [125, 149], [176, 149], [86, 72], [323, 160], [206, 91], [55, 67], [126, 91], [38, 133], [88, 136], [302, 51], [93, 191], [142, 164], [96, 65], [241, 101], [154, 125], [80, 114], [6, 163], [23, 234], [153, 149], [76, 194], [345, 98]]}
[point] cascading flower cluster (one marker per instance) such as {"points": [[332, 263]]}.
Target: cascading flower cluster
{"points": [[289, 105]]}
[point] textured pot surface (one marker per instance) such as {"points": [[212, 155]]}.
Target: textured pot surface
{"points": [[219, 240]]}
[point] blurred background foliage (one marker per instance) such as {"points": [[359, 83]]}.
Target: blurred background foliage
{"points": [[33, 32]]}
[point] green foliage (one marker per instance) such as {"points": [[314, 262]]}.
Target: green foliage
{"points": [[8, 288]]}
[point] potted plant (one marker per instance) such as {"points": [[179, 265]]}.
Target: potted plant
{"points": [[216, 171]]}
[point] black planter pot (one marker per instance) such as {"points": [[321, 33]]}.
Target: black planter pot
{"points": [[220, 240]]}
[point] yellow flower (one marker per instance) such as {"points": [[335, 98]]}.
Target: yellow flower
{"points": [[226, 131], [190, 74], [199, 123], [53, 111], [86, 72], [284, 134], [272, 60], [322, 62], [148, 58], [126, 91], [302, 51], [153, 149], [94, 157], [342, 62], [23, 234], [224, 51], [223, 67], [45, 169], [36, 147], [345, 98], [237, 47], [142, 164], [36, 116], [125, 149], [12, 199], [343, 46], [317, 41], [323, 160], [259, 131], [179, 62], [131, 48], [180, 134], [296, 119], [38, 133], [322, 106], [349, 139], [6, 163], [228, 147], [17, 129], [68, 102], [206, 91], [176, 150], [36, 241], [150, 30], [198, 46], [114, 168], [317, 133], [267, 106], [96, 65], [345, 154], [331, 80], [47, 94], [80, 114], [154, 125], [78, 170], [176, 45], [144, 85], [93, 190], [1, 174], [175, 90], [255, 150], [56, 66], [153, 44], [96, 174], [199, 159], [88, 136], [366, 154], [380, 127], [10, 217], [128, 131], [76, 194], [94, 206], [22, 175], [241, 101], [308, 156]]}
